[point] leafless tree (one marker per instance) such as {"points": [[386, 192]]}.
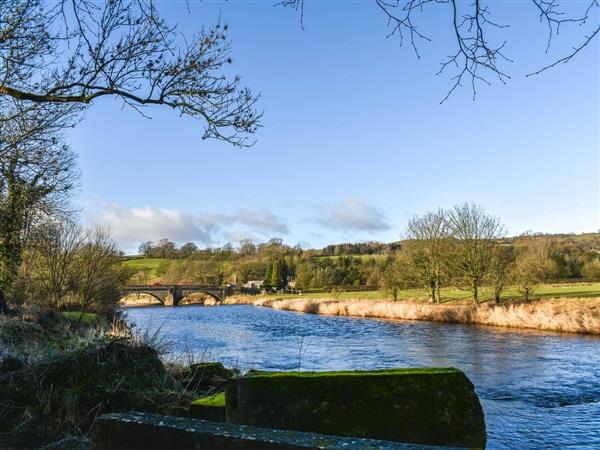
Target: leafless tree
{"points": [[527, 271], [475, 236], [428, 249], [37, 174], [396, 274], [98, 274], [56, 246], [501, 269], [480, 54], [78, 51]]}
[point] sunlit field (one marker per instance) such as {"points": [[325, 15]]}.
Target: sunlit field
{"points": [[140, 263], [457, 296]]}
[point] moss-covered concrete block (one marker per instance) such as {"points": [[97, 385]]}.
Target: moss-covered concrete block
{"points": [[209, 408], [435, 406]]}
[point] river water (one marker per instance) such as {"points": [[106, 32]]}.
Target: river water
{"points": [[538, 390]]}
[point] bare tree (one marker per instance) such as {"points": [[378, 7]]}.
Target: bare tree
{"points": [[37, 174], [98, 274], [479, 40], [395, 274], [501, 269], [56, 246], [428, 248], [527, 271], [78, 51], [475, 235]]}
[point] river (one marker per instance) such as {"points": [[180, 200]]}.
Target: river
{"points": [[538, 389]]}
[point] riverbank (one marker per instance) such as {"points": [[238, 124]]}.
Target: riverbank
{"points": [[59, 371], [567, 315]]}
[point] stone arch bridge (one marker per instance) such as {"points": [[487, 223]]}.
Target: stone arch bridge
{"points": [[171, 295]]}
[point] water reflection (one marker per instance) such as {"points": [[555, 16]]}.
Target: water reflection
{"points": [[538, 390]]}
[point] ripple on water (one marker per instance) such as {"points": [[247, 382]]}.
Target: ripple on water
{"points": [[538, 390]]}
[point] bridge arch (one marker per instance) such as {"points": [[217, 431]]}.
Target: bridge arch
{"points": [[126, 294], [161, 300], [187, 293], [172, 295]]}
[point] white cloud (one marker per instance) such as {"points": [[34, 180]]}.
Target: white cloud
{"points": [[352, 214], [262, 220], [131, 226]]}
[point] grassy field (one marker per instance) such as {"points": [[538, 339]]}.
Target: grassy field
{"points": [[448, 295], [453, 295], [140, 263], [86, 318], [376, 256]]}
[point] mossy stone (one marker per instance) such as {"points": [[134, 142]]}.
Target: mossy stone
{"points": [[435, 406], [209, 408], [207, 376]]}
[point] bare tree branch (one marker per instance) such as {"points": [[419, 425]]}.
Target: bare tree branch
{"points": [[82, 50], [566, 59], [476, 59]]}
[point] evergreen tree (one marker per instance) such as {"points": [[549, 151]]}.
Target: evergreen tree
{"points": [[268, 274], [284, 274], [276, 275]]}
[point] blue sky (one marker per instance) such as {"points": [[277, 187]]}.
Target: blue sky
{"points": [[355, 140]]}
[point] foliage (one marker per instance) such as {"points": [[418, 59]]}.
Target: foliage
{"points": [[37, 173], [408, 267]]}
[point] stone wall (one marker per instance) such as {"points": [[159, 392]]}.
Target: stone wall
{"points": [[138, 431]]}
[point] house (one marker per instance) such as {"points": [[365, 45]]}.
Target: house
{"points": [[253, 284]]}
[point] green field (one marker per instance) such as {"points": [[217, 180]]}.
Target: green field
{"points": [[453, 294], [141, 263], [86, 318], [447, 294], [375, 256]]}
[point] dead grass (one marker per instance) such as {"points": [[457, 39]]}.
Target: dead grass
{"points": [[57, 375], [568, 315]]}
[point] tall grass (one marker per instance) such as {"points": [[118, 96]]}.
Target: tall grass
{"points": [[570, 315]]}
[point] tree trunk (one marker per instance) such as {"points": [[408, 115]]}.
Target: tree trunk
{"points": [[12, 224], [2, 301], [475, 295], [432, 287]]}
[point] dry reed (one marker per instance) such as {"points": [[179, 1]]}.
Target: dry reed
{"points": [[569, 315]]}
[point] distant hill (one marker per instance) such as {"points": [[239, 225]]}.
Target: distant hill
{"points": [[587, 242]]}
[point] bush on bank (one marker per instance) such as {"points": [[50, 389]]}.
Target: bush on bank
{"points": [[57, 375]]}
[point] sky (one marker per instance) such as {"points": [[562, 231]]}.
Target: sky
{"points": [[354, 139]]}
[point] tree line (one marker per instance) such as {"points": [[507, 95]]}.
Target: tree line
{"points": [[126, 50], [462, 247]]}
